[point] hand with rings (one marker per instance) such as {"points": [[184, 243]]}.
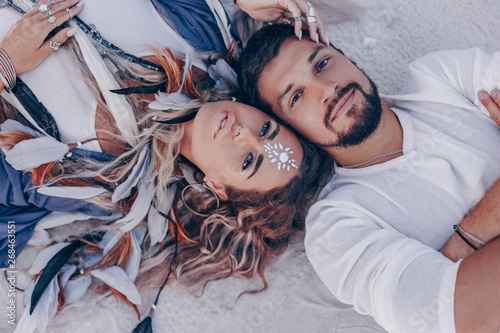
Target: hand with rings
{"points": [[294, 12], [25, 43]]}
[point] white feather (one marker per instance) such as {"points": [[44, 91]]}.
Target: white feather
{"points": [[157, 224], [142, 168], [73, 192], [75, 289], [135, 259], [116, 278], [29, 154], [108, 241], [14, 126], [56, 219], [44, 256], [46, 308], [39, 237], [140, 207], [222, 73], [173, 101]]}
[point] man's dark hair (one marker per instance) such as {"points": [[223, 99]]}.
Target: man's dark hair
{"points": [[260, 50]]}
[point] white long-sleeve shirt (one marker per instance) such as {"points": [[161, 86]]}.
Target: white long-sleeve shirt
{"points": [[374, 233]]}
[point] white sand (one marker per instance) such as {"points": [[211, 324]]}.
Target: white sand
{"points": [[382, 40]]}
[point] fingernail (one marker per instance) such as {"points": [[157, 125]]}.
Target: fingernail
{"points": [[481, 95], [71, 32], [494, 93], [300, 35], [317, 38], [81, 3], [327, 40]]}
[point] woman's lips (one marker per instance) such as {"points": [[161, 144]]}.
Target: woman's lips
{"points": [[345, 104], [223, 123]]}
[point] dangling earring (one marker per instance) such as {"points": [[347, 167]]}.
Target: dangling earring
{"points": [[191, 209]]}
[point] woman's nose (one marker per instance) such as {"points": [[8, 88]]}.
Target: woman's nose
{"points": [[243, 135]]}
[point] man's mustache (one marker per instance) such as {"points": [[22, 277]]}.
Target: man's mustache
{"points": [[334, 101]]}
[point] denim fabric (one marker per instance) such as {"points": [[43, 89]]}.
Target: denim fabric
{"points": [[22, 204]]}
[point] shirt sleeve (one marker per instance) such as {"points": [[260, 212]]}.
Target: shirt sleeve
{"points": [[405, 285], [460, 74]]}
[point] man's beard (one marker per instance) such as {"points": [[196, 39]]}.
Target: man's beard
{"points": [[366, 117]]}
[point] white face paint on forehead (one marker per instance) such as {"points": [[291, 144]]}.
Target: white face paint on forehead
{"points": [[277, 153]]}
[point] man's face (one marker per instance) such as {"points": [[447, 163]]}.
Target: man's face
{"points": [[321, 93]]}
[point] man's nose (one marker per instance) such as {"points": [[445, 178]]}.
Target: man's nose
{"points": [[323, 88]]}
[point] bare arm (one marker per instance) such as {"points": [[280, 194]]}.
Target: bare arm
{"points": [[477, 292], [484, 220]]}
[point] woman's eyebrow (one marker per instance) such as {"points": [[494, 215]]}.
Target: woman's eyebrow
{"points": [[274, 133], [260, 158]]}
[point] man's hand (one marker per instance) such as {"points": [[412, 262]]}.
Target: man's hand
{"points": [[274, 11], [491, 102]]}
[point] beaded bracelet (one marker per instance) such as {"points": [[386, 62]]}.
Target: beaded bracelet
{"points": [[7, 71]]}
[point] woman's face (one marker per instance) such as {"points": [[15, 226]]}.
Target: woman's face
{"points": [[239, 146]]}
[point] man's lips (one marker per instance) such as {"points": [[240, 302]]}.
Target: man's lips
{"points": [[223, 124], [344, 104]]}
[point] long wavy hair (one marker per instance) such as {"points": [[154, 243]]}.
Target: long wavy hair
{"points": [[240, 237]]}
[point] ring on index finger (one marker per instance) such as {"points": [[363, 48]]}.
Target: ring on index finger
{"points": [[286, 20], [44, 9], [311, 19], [70, 13], [297, 18]]}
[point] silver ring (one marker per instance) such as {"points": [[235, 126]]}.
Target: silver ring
{"points": [[70, 13], [286, 20], [54, 45], [45, 9], [297, 18], [311, 19], [52, 19], [311, 11], [51, 2]]}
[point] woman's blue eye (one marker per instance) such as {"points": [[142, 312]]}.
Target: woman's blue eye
{"points": [[322, 64], [265, 129], [248, 162], [296, 97]]}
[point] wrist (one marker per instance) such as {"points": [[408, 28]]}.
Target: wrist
{"points": [[7, 71]]}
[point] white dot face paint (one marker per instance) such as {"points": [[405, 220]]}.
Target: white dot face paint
{"points": [[280, 155]]}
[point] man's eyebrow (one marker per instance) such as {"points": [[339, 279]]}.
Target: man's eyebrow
{"points": [[257, 166], [284, 93], [311, 58], [315, 53]]}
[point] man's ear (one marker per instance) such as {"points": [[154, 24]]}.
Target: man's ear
{"points": [[220, 190]]}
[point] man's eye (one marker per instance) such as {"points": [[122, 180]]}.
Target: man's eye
{"points": [[322, 64], [296, 97], [247, 162], [265, 129]]}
